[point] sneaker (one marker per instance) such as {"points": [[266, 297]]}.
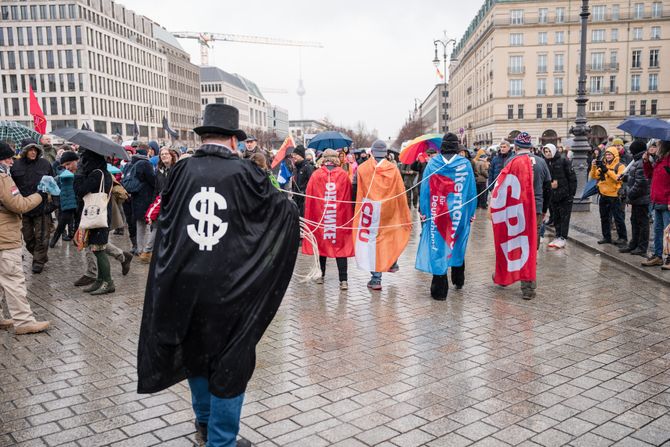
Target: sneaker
{"points": [[654, 261], [344, 285], [319, 280], [559, 243], [32, 328], [666, 265], [93, 287], [84, 281], [145, 258], [201, 433], [38, 268], [6, 324], [105, 288], [375, 284], [394, 268], [552, 244], [125, 265], [604, 241]]}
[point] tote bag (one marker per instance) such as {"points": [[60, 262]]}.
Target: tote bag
{"points": [[94, 214]]}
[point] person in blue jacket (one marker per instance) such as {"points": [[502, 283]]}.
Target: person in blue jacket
{"points": [[68, 199]]}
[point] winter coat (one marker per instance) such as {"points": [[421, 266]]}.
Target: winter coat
{"points": [[161, 180], [562, 171], [541, 178], [27, 175], [482, 171], [141, 200], [93, 167], [637, 186], [608, 181], [408, 175], [12, 205], [497, 165], [49, 153], [659, 173], [68, 199]]}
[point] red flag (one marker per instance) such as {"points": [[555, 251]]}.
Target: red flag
{"points": [[439, 73], [36, 111], [329, 186], [281, 153], [514, 223]]}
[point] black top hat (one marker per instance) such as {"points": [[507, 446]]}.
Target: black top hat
{"points": [[221, 119]]}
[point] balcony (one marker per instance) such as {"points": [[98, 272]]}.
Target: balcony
{"points": [[542, 69], [601, 68], [516, 70], [516, 93], [559, 69]]}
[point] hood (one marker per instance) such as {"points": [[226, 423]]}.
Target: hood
{"points": [[480, 153], [379, 149], [614, 151], [24, 151], [90, 161]]}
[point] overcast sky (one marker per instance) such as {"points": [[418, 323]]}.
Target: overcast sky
{"points": [[376, 57]]}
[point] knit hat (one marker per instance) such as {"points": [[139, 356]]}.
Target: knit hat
{"points": [[379, 150], [299, 150], [5, 151], [330, 155], [153, 144], [551, 148], [637, 147], [617, 142], [68, 156], [449, 143], [522, 141]]}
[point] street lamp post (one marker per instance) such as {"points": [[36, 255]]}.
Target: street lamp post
{"points": [[581, 129], [445, 43]]}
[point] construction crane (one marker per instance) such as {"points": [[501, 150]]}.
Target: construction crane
{"points": [[206, 39]]}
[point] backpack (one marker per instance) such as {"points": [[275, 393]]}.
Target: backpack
{"points": [[130, 182]]}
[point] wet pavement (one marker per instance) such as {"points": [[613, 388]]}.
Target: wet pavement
{"points": [[587, 363]]}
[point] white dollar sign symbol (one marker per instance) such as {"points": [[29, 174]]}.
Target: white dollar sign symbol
{"points": [[203, 209]]}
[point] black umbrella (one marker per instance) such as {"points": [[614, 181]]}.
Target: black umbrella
{"points": [[92, 141]]}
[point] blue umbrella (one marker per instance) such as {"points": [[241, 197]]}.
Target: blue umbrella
{"points": [[646, 128], [590, 189], [329, 140]]}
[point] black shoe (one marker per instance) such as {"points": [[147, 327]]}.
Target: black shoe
{"points": [[84, 281], [52, 242], [621, 242], [639, 252], [604, 241], [67, 238], [458, 286], [37, 268], [125, 265], [200, 433], [243, 443], [625, 250]]}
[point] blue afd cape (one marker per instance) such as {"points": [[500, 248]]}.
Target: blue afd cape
{"points": [[447, 187]]}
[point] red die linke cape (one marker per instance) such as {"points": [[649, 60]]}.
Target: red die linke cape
{"points": [[330, 185], [226, 245]]}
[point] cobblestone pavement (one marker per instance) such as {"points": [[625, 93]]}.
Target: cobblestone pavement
{"points": [[587, 363]]}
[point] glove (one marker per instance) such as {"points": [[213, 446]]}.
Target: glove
{"points": [[48, 185]]}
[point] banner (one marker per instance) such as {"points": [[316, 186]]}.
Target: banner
{"points": [[447, 199], [382, 227], [325, 214], [287, 145], [39, 120], [514, 223]]}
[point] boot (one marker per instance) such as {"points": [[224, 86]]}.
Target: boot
{"points": [[652, 262], [200, 433], [105, 288], [6, 324], [93, 287], [439, 287], [32, 328], [38, 268], [84, 281], [54, 239], [125, 265]]}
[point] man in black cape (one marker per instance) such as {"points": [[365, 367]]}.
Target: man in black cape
{"points": [[226, 245]]}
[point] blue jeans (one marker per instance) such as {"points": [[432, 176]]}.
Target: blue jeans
{"points": [[222, 416], [376, 275], [661, 220]]}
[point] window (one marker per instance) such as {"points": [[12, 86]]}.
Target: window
{"points": [[615, 35], [559, 111], [542, 15], [559, 64], [68, 35], [612, 106], [516, 87], [541, 63], [516, 39], [637, 33], [595, 106], [541, 87], [510, 112], [597, 61], [519, 112], [31, 59], [655, 32], [560, 36], [653, 82], [538, 111], [643, 107], [656, 9], [615, 12], [614, 58], [59, 35], [73, 105], [560, 15], [598, 35], [516, 17], [637, 59], [598, 13], [654, 106], [550, 110], [77, 33], [558, 86], [50, 39], [638, 11], [542, 38], [516, 64], [612, 88], [631, 108], [635, 83], [653, 58], [596, 84]]}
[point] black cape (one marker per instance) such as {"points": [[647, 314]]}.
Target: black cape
{"points": [[205, 311]]}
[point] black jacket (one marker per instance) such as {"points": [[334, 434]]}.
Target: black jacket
{"points": [[88, 181], [27, 175], [637, 185], [141, 200], [161, 180], [562, 171]]}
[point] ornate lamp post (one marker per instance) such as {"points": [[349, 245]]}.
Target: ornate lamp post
{"points": [[581, 130], [436, 61]]}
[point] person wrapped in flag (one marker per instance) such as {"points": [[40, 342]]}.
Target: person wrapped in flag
{"points": [[447, 204]]}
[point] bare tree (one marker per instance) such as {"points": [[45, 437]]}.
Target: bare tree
{"points": [[360, 137], [410, 130]]}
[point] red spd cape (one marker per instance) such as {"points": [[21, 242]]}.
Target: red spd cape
{"points": [[515, 223], [329, 185]]}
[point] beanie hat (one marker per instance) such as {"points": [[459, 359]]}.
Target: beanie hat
{"points": [[68, 156], [637, 147], [299, 150], [449, 143], [5, 151], [330, 155], [552, 149], [141, 151], [379, 150], [617, 142], [522, 141]]}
